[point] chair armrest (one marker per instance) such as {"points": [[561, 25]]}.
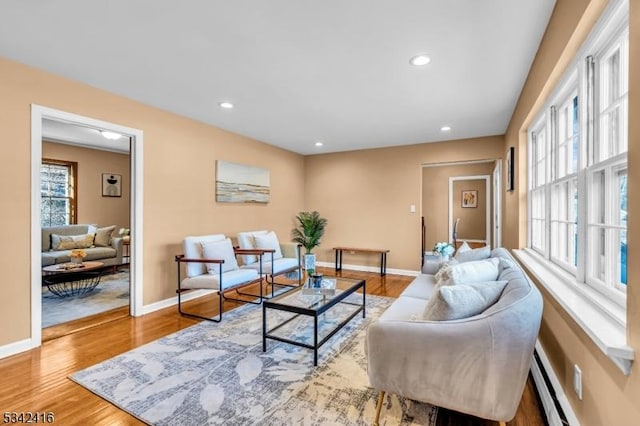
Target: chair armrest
{"points": [[252, 251], [181, 259]]}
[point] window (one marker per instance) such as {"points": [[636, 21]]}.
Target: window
{"points": [[58, 192], [578, 166]]}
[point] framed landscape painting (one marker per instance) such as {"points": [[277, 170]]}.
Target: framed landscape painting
{"points": [[238, 183]]}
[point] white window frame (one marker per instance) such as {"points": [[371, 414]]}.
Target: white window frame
{"points": [[604, 39]]}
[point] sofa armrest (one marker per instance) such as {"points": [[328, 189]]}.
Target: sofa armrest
{"points": [[451, 364], [116, 243]]}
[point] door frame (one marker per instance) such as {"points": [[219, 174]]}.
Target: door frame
{"points": [[38, 113], [497, 205], [487, 179]]}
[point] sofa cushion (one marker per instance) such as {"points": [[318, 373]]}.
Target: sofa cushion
{"points": [[462, 300], [222, 250], [48, 259], [103, 236], [279, 265], [70, 242], [268, 241], [474, 271], [98, 253], [473, 254], [422, 287], [405, 308]]}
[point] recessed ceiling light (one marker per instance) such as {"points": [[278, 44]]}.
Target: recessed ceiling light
{"points": [[226, 105], [319, 144], [420, 60], [445, 128], [111, 135]]}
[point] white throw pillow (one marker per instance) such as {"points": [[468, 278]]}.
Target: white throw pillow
{"points": [[442, 276], [473, 254], [70, 242], [470, 272], [268, 241], [463, 247], [462, 301], [220, 250]]}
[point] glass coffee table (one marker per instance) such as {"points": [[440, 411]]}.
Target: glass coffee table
{"points": [[310, 320]]}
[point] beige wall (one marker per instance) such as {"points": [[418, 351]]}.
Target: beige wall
{"points": [[609, 397], [435, 194], [92, 206], [366, 196], [179, 175]]}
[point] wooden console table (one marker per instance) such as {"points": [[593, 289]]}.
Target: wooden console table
{"points": [[382, 252]]}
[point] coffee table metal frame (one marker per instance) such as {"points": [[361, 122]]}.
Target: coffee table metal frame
{"points": [[314, 312], [75, 282]]}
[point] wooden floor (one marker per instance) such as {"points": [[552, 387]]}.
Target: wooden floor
{"points": [[36, 381]]}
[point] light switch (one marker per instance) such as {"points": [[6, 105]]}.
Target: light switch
{"points": [[412, 209]]}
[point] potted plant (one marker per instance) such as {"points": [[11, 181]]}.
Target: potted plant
{"points": [[308, 233]]}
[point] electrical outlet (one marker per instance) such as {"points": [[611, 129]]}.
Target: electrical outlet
{"points": [[577, 381]]}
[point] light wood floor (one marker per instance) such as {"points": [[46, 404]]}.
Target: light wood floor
{"points": [[36, 381]]}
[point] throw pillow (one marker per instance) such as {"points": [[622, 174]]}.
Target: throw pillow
{"points": [[222, 250], [442, 276], [268, 241], [463, 247], [480, 270], [473, 254], [462, 301], [103, 236], [70, 242]]}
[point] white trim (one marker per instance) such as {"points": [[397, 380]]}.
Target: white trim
{"points": [[487, 179], [553, 417], [457, 163], [601, 319], [497, 205], [16, 347], [173, 301], [38, 113], [406, 272]]}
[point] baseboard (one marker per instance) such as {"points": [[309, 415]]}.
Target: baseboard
{"points": [[555, 403], [371, 269], [173, 301], [16, 347]]}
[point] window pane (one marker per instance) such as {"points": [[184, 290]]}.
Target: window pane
{"points": [[597, 259], [621, 237]]}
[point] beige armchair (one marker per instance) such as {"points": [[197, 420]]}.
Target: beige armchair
{"points": [[279, 259], [210, 263]]}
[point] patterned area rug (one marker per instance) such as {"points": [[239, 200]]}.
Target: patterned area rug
{"points": [[217, 374], [111, 293]]}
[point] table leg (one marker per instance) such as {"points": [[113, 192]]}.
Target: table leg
{"points": [[315, 341], [264, 328]]}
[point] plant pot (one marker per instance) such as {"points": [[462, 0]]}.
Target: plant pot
{"points": [[310, 263]]}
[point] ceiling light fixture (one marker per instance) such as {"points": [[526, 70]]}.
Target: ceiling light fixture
{"points": [[445, 128], [319, 144], [420, 60], [110, 135], [226, 105]]}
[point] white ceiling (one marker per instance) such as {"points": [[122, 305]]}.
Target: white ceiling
{"points": [[298, 71], [88, 137]]}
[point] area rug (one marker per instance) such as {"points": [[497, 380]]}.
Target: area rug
{"points": [[111, 293], [217, 374]]}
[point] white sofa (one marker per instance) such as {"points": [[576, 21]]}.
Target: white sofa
{"points": [[477, 365]]}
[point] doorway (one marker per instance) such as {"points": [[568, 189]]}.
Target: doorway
{"points": [[42, 117], [470, 209]]}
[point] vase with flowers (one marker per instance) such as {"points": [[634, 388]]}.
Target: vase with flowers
{"points": [[124, 233], [77, 255], [443, 249]]}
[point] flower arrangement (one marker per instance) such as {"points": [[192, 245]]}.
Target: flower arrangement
{"points": [[443, 248], [124, 231], [78, 253]]}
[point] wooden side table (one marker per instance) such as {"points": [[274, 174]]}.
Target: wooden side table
{"points": [[382, 252]]}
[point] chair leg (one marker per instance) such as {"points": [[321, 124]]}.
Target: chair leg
{"points": [[376, 421], [187, 314], [503, 423]]}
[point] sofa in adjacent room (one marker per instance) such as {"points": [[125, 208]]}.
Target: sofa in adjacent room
{"points": [[427, 348], [98, 243]]}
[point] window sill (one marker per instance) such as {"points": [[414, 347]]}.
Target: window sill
{"points": [[603, 321]]}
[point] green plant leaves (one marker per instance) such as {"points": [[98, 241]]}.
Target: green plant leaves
{"points": [[310, 229]]}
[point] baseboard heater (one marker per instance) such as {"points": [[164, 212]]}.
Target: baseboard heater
{"points": [[553, 409]]}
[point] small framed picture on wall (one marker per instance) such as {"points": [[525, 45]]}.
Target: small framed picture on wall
{"points": [[510, 169], [469, 199], [111, 185]]}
